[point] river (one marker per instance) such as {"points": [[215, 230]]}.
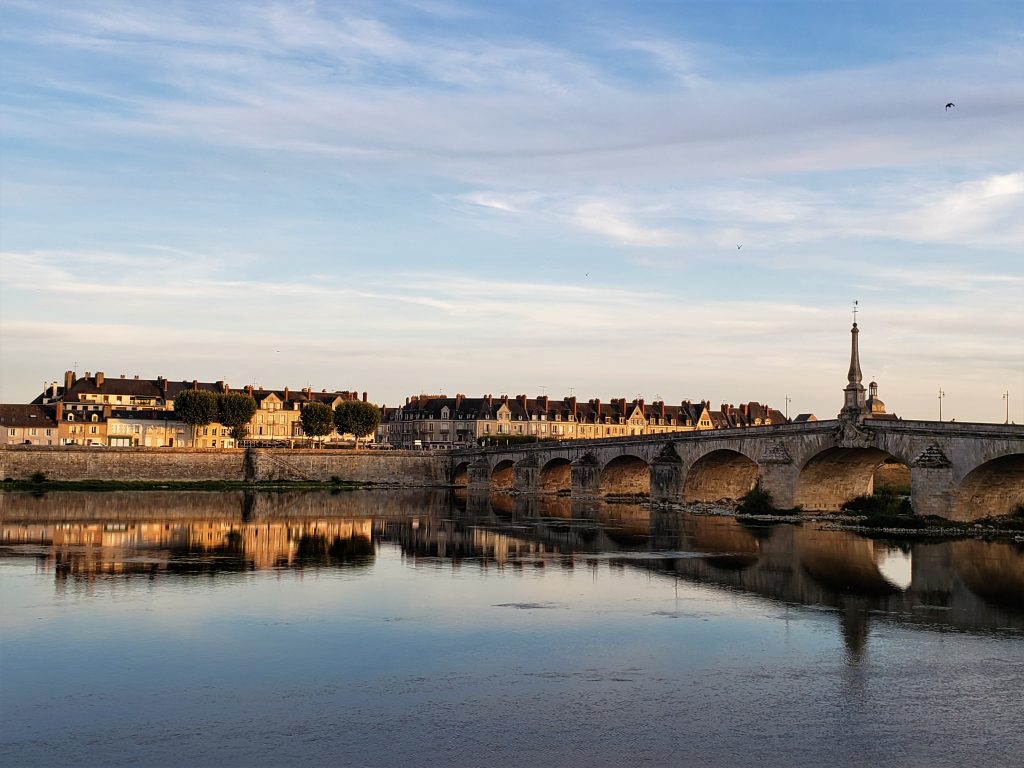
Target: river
{"points": [[386, 628]]}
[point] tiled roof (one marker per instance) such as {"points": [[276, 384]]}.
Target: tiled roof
{"points": [[27, 415]]}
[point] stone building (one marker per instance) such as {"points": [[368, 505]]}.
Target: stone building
{"points": [[28, 425], [439, 421]]}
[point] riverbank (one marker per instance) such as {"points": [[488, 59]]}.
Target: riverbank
{"points": [[999, 528]]}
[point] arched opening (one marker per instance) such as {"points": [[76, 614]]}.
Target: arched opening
{"points": [[996, 488], [460, 475], [625, 476], [555, 477], [503, 476], [719, 475], [837, 475], [892, 475]]}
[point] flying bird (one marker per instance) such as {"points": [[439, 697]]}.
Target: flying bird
{"points": [[740, 245], [949, 104]]}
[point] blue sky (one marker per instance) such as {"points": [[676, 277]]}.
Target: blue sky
{"points": [[519, 197]]}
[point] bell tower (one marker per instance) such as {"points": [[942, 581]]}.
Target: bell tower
{"points": [[854, 407]]}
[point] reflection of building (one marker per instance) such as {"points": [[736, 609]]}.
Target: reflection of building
{"points": [[118, 547]]}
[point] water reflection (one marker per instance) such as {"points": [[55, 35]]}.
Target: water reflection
{"points": [[969, 585]]}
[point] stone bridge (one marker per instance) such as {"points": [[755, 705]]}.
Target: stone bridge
{"points": [[955, 470]]}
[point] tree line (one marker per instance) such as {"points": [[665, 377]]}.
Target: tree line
{"points": [[200, 407]]}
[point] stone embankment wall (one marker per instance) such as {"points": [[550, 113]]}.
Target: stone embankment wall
{"points": [[409, 468]]}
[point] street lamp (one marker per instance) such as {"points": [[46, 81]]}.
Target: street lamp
{"points": [[1006, 397], [941, 395]]}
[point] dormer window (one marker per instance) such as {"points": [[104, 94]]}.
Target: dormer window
{"points": [[95, 417], [71, 417]]}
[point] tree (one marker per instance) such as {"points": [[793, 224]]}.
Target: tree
{"points": [[357, 418], [196, 407], [236, 410], [316, 419]]}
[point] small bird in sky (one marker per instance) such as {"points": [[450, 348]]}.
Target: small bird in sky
{"points": [[738, 246], [949, 104]]}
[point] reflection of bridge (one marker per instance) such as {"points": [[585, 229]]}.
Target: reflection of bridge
{"points": [[971, 585], [961, 471]]}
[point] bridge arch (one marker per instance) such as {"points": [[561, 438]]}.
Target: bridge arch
{"points": [[835, 475], [626, 475], [994, 488], [719, 474], [460, 474], [555, 476], [503, 475]]}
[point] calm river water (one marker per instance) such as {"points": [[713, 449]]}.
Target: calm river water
{"points": [[385, 628]]}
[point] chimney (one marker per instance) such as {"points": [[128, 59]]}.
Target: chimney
{"points": [[122, 376], [543, 402], [504, 398], [407, 401], [490, 401], [640, 402], [69, 379], [220, 386], [521, 399], [88, 374], [106, 412], [227, 388], [60, 408], [364, 397], [248, 389], [459, 397], [195, 384], [597, 410], [285, 393], [307, 391], [99, 378]]}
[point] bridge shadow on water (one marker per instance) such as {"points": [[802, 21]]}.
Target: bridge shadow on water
{"points": [[966, 585]]}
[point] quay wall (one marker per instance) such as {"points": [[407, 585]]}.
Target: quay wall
{"points": [[79, 463]]}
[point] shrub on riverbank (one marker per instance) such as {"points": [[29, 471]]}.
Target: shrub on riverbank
{"points": [[882, 503], [758, 501]]}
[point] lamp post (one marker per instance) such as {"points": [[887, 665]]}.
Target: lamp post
{"points": [[1006, 397], [941, 395]]}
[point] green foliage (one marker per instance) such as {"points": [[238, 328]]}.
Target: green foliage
{"points": [[196, 407], [356, 418], [883, 503], [38, 477], [316, 419], [235, 410], [757, 501]]}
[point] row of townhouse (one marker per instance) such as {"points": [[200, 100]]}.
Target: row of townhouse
{"points": [[438, 421], [121, 411]]}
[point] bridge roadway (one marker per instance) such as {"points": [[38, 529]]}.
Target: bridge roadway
{"points": [[956, 470]]}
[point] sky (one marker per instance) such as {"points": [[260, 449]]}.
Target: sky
{"points": [[676, 200]]}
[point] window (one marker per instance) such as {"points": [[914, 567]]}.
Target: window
{"points": [[95, 417], [93, 430], [12, 433], [71, 417]]}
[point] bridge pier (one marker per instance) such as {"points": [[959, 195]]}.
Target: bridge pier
{"points": [[780, 480], [478, 475], [932, 490], [667, 476], [526, 475], [586, 476]]}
